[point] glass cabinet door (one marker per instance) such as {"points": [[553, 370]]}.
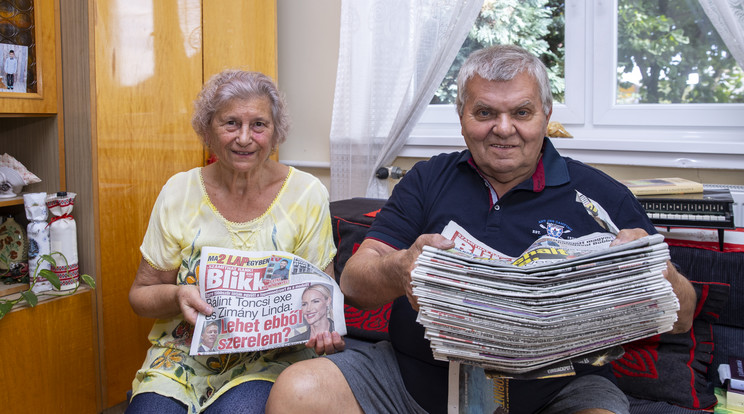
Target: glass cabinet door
{"points": [[28, 57]]}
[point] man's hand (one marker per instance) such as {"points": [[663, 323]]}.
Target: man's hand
{"points": [[412, 253], [680, 285], [628, 235], [685, 294], [377, 273]]}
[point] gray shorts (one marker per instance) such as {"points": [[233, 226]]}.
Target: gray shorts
{"points": [[589, 391], [373, 375]]}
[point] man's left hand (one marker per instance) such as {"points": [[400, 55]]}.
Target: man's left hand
{"points": [[680, 285]]}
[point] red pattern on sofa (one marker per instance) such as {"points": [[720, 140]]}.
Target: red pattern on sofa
{"points": [[351, 219]]}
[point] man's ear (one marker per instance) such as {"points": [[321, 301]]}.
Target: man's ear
{"points": [[547, 121]]}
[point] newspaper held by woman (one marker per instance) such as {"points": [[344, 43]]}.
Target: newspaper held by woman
{"points": [[263, 300]]}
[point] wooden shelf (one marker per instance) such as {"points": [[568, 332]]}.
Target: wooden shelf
{"points": [[13, 201], [14, 292], [6, 290]]}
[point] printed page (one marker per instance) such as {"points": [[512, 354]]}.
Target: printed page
{"points": [[263, 300], [532, 315]]}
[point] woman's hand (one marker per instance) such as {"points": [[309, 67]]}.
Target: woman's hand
{"points": [[191, 303], [155, 294], [326, 343]]}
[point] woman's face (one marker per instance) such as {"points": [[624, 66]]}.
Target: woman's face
{"points": [[209, 335], [314, 306], [242, 133]]}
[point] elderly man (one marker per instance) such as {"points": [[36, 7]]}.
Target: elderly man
{"points": [[506, 189]]}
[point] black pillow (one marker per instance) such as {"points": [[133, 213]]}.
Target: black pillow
{"points": [[673, 367]]}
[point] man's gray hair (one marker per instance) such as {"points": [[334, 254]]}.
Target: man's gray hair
{"points": [[502, 63]]}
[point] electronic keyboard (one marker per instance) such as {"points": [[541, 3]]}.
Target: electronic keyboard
{"points": [[713, 208]]}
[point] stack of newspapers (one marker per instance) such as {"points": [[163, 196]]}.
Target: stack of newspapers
{"points": [[558, 301]]}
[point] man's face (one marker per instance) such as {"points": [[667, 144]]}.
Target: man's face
{"points": [[504, 124]]}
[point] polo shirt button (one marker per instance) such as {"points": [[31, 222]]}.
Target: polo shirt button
{"points": [[497, 207]]}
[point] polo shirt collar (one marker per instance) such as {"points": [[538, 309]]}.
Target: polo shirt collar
{"points": [[551, 169]]}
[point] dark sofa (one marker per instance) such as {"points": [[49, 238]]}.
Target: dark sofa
{"points": [[665, 374]]}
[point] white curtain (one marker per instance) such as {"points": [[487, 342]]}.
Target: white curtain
{"points": [[728, 18], [393, 54]]}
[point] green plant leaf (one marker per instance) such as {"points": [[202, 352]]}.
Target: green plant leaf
{"points": [[5, 307], [49, 258], [179, 371], [88, 280], [30, 297], [53, 279], [45, 273]]}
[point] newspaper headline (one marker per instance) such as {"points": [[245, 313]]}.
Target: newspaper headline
{"points": [[263, 300]]}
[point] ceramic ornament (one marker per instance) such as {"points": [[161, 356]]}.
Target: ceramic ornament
{"points": [[13, 250]]}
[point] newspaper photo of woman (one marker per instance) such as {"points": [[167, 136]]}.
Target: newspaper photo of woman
{"points": [[317, 312], [209, 336]]}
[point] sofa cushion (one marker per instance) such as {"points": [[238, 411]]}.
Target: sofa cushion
{"points": [[710, 266], [351, 220], [673, 367]]}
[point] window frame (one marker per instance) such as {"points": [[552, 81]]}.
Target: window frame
{"points": [[663, 135]]}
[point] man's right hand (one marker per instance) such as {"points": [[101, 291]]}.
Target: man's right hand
{"points": [[377, 273], [412, 253]]}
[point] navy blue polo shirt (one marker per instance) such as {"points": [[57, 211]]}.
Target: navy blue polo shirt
{"points": [[450, 187]]}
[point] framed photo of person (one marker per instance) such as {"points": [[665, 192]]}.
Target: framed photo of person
{"points": [[13, 64]]}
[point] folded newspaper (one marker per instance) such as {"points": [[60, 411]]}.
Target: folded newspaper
{"points": [[263, 300], [560, 301]]}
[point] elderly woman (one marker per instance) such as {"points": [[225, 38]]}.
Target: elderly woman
{"points": [[243, 201]]}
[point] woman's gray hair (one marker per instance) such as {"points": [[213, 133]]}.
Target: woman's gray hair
{"points": [[502, 63], [233, 84]]}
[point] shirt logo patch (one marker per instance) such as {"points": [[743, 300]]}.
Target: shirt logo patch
{"points": [[554, 228]]}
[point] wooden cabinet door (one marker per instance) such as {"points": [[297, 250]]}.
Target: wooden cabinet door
{"points": [[151, 60]]}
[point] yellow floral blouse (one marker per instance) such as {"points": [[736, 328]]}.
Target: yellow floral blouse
{"points": [[182, 221]]}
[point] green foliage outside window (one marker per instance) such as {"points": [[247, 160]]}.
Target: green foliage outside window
{"points": [[536, 25], [668, 51], [668, 41]]}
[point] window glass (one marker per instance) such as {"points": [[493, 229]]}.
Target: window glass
{"points": [[669, 52], [637, 82], [537, 25]]}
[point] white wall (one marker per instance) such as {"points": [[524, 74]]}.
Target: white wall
{"points": [[308, 54]]}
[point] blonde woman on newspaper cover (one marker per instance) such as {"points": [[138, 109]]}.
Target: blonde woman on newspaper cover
{"points": [[317, 312], [244, 201]]}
